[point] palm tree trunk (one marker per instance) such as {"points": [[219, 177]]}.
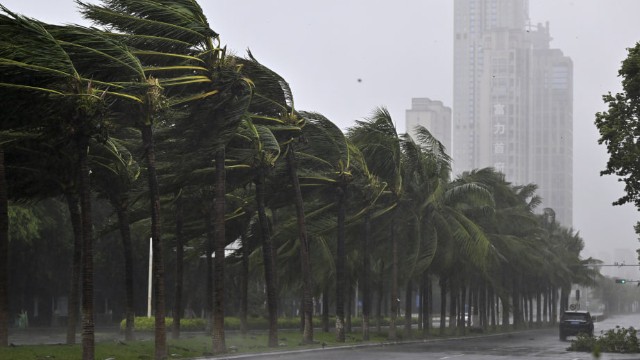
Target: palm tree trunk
{"points": [[268, 259], [244, 301], [408, 305], [380, 300], [4, 255], [127, 247], [492, 307], [421, 302], [177, 306], [463, 310], [209, 248], [394, 281], [545, 305], [73, 203], [325, 308], [157, 260], [443, 304], [366, 285], [538, 308], [340, 265], [307, 285], [88, 328], [219, 343], [208, 289], [349, 304]]}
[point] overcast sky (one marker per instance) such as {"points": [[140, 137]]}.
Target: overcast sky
{"points": [[403, 49]]}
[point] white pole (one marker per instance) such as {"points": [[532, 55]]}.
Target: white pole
{"points": [[150, 277]]}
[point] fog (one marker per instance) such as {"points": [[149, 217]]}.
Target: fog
{"points": [[344, 58]]}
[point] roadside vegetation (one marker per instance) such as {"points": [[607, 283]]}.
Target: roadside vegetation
{"points": [[194, 344], [618, 340]]}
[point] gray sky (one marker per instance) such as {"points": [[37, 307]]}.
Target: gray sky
{"points": [[403, 49]]}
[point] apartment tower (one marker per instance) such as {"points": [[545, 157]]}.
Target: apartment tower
{"points": [[513, 100]]}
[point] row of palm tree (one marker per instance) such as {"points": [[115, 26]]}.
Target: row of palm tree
{"points": [[227, 156]]}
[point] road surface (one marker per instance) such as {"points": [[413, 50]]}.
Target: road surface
{"points": [[533, 345]]}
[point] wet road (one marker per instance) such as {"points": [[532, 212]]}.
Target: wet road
{"points": [[538, 344]]}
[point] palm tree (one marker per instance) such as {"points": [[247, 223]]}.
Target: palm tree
{"points": [[378, 140], [180, 52], [55, 60], [115, 181], [257, 147], [425, 173], [273, 105], [327, 153]]}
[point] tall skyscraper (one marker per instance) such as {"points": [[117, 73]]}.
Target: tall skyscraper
{"points": [[513, 100], [433, 116]]}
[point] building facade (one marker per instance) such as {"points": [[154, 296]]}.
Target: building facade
{"points": [[433, 116], [513, 100]]}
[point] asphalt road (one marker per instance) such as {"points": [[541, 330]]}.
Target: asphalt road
{"points": [[534, 345]]}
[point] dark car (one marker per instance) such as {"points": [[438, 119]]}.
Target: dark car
{"points": [[575, 322]]}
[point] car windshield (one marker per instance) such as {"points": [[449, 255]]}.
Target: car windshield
{"points": [[576, 316]]}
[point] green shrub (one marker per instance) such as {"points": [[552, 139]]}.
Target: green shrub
{"points": [[618, 340], [233, 323], [148, 324]]}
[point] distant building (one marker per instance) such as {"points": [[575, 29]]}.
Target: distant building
{"points": [[513, 100], [433, 116]]}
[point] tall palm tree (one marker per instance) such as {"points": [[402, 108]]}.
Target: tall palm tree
{"points": [[55, 61], [257, 147], [328, 151], [273, 105], [378, 140], [115, 180], [181, 53]]}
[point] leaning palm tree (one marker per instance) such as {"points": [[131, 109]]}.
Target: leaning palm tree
{"points": [[115, 181], [272, 104], [61, 62], [259, 149], [181, 55], [378, 140]]}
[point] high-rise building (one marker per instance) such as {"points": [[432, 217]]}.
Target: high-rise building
{"points": [[513, 100], [433, 116]]}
